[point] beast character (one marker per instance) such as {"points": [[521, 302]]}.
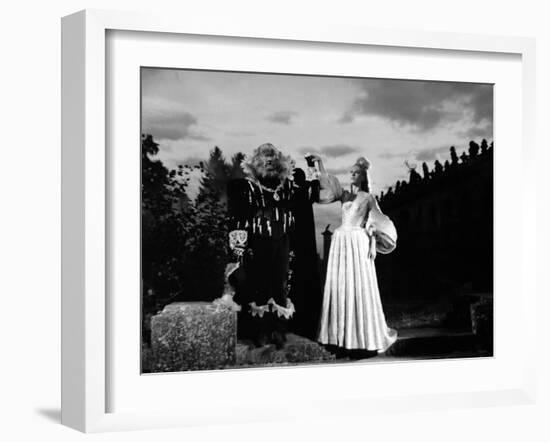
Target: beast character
{"points": [[261, 218]]}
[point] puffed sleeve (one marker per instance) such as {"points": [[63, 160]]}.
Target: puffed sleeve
{"points": [[383, 229], [330, 189]]}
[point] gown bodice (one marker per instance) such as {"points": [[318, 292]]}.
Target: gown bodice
{"points": [[354, 212], [363, 211]]}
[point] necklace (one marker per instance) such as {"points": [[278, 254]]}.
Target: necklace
{"points": [[275, 191]]}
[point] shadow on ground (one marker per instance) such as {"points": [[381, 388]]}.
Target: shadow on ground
{"points": [[51, 414]]}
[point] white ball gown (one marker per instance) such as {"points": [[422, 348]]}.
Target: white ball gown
{"points": [[352, 316]]}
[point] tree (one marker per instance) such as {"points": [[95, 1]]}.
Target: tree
{"points": [[484, 146], [207, 245], [454, 156], [414, 176], [473, 150], [154, 178], [183, 241], [425, 171], [236, 171], [216, 175], [162, 231]]}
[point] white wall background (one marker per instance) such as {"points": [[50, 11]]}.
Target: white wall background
{"points": [[30, 217]]}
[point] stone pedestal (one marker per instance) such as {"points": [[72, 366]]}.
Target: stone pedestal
{"points": [[193, 336]]}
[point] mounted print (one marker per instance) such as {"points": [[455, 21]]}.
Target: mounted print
{"points": [[294, 206], [294, 219]]}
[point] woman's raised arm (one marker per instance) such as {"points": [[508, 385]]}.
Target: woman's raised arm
{"points": [[330, 188]]}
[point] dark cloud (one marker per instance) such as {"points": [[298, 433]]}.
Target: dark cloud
{"points": [[335, 150], [330, 151], [419, 155], [477, 132], [338, 170], [198, 137], [238, 133], [482, 104], [171, 125], [432, 153], [422, 105], [427, 154], [390, 155], [308, 149], [348, 117], [163, 147], [282, 117]]}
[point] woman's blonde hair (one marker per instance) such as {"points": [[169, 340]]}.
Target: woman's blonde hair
{"points": [[364, 164]]}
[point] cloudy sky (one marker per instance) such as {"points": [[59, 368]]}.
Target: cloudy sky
{"points": [[387, 121]]}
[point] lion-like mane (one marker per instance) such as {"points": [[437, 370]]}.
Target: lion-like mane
{"points": [[253, 166]]}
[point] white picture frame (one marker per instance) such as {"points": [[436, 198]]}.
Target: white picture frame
{"points": [[86, 316]]}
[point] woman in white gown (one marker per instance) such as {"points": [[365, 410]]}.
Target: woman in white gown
{"points": [[352, 316]]}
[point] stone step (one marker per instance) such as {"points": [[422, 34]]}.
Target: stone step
{"points": [[296, 350], [437, 342], [414, 343]]}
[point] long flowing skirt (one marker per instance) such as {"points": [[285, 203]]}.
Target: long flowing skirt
{"points": [[352, 316]]}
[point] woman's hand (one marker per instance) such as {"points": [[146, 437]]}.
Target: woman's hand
{"points": [[371, 233], [370, 230], [316, 159], [238, 240], [313, 157]]}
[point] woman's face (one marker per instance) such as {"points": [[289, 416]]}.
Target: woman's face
{"points": [[356, 176]]}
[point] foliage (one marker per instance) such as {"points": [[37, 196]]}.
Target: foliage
{"points": [[184, 242]]}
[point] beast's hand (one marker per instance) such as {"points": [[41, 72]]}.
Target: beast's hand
{"points": [[238, 240]]}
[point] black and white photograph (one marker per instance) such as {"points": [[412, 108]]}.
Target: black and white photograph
{"points": [[297, 220], [238, 220]]}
